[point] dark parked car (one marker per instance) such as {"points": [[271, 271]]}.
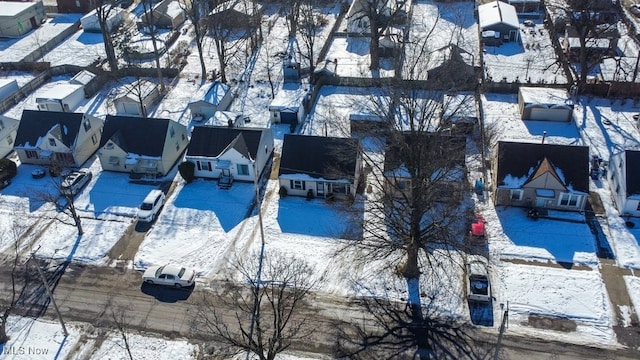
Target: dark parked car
{"points": [[8, 170]]}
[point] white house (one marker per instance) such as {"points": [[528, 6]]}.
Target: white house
{"points": [[91, 23], [67, 139], [241, 153], [137, 98], [624, 180], [287, 106], [209, 99], [7, 87], [537, 103], [8, 130], [143, 147], [59, 96]]}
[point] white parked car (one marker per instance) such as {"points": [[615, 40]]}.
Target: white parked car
{"points": [[478, 284], [150, 206], [74, 182], [170, 275]]}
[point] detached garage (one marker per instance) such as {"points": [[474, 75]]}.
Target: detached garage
{"points": [[287, 107], [545, 104], [18, 18], [498, 23]]}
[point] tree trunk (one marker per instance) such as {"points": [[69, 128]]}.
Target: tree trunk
{"points": [[373, 49], [109, 50], [4, 337], [203, 66]]}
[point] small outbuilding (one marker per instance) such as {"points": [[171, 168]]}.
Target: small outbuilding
{"points": [[167, 14], [18, 18], [8, 130], [59, 96], [137, 98], [498, 23], [7, 87], [209, 99], [91, 23], [547, 104], [287, 106], [624, 180]]}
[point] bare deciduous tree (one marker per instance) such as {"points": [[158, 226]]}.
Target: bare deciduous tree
{"points": [[310, 23], [196, 12], [269, 314], [104, 10], [14, 234], [150, 19]]}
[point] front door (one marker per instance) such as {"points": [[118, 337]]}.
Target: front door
{"points": [[541, 202], [320, 189]]}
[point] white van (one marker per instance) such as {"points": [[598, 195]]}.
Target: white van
{"points": [[151, 206]]}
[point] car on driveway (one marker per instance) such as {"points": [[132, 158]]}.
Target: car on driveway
{"points": [[74, 182], [151, 205], [169, 275], [478, 284]]}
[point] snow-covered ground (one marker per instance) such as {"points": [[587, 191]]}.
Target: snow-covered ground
{"points": [[204, 227]]}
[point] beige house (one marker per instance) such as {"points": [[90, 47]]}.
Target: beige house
{"points": [[65, 139], [143, 147]]}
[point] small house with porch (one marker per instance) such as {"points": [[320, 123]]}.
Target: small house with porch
{"points": [[441, 172], [239, 153], [319, 166], [52, 137], [146, 148], [498, 23], [545, 176]]}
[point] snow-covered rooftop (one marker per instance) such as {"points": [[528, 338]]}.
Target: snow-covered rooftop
{"points": [[496, 12], [57, 90], [13, 8], [545, 96]]}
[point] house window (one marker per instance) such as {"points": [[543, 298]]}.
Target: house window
{"points": [[516, 194], [638, 207], [9, 140], [172, 132], [52, 141], [114, 160], [203, 165], [339, 188], [297, 185], [243, 169], [31, 154], [567, 199], [87, 125], [177, 146], [183, 136], [94, 139], [402, 184]]}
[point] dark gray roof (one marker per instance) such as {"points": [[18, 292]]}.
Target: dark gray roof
{"points": [[632, 164], [213, 140], [319, 156], [431, 152], [35, 124], [143, 136], [517, 159]]}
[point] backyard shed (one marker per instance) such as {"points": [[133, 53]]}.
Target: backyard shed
{"points": [[60, 96], [90, 22], [166, 14], [18, 18], [547, 104], [137, 98], [287, 106], [209, 99], [498, 23], [7, 87]]}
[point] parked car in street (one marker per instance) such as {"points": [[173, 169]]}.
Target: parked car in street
{"points": [[8, 170], [74, 182], [478, 284], [151, 206], [169, 275]]}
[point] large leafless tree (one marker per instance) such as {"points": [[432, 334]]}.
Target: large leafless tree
{"points": [[15, 263], [269, 312], [309, 24], [150, 21], [104, 10], [196, 12]]}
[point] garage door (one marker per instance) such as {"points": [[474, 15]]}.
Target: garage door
{"points": [[550, 114], [288, 117]]}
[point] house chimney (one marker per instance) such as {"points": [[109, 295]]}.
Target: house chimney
{"points": [[544, 135]]}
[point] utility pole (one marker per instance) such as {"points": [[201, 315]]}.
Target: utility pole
{"points": [[46, 287], [256, 294], [505, 318]]}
